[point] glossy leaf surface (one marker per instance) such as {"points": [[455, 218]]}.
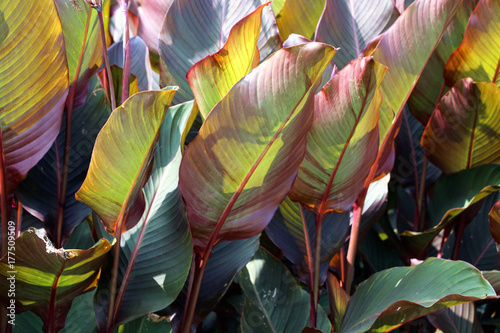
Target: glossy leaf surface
{"points": [[397, 295], [38, 191], [274, 302], [464, 131], [242, 164], [195, 29], [299, 17], [351, 25], [48, 279], [342, 143], [478, 56], [211, 78], [33, 83], [122, 156]]}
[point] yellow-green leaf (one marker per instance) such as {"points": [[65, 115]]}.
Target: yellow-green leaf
{"points": [[299, 17], [122, 157]]}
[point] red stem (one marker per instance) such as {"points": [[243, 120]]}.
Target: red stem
{"points": [[106, 61], [357, 210], [309, 265], [459, 231], [61, 202], [126, 51], [19, 219]]}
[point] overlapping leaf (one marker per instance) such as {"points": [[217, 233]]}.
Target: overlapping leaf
{"points": [[33, 83], [299, 17], [151, 14], [211, 78], [478, 56], [48, 279], [424, 97], [495, 222], [242, 164], [457, 319], [397, 295], [195, 29], [342, 143], [38, 191], [464, 131], [121, 159], [351, 25], [274, 302], [452, 195], [73, 16], [286, 230], [157, 251]]}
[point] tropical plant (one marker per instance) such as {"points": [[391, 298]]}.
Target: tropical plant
{"points": [[247, 166]]}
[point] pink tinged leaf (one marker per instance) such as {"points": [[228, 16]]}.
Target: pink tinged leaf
{"points": [[343, 141], [151, 14], [463, 131], [495, 222], [33, 84], [245, 158], [351, 24]]}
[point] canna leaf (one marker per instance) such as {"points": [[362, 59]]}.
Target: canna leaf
{"points": [[121, 159], [286, 230], [33, 83], [299, 17], [342, 143], [73, 18], [495, 221], [274, 302], [151, 14], [38, 191], [465, 128], [457, 319], [452, 195], [478, 56], [158, 270], [242, 164], [117, 75], [211, 78], [351, 25], [48, 279], [392, 297], [186, 39]]}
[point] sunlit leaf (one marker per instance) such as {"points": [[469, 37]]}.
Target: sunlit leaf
{"points": [[190, 33], [33, 83], [121, 159], [495, 222], [48, 279], [342, 143], [274, 302], [464, 131], [350, 25], [211, 78], [478, 56], [242, 164], [151, 14], [392, 297], [299, 17]]}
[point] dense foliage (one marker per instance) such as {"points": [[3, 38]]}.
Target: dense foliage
{"points": [[247, 166]]}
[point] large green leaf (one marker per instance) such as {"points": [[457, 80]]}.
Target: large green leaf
{"points": [[424, 98], [33, 83], [392, 297], [48, 279], [121, 159], [274, 302], [351, 25], [342, 143], [190, 33], [299, 17], [452, 195], [73, 16], [242, 164], [38, 191], [156, 254], [478, 56], [211, 78], [286, 230], [464, 131]]}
